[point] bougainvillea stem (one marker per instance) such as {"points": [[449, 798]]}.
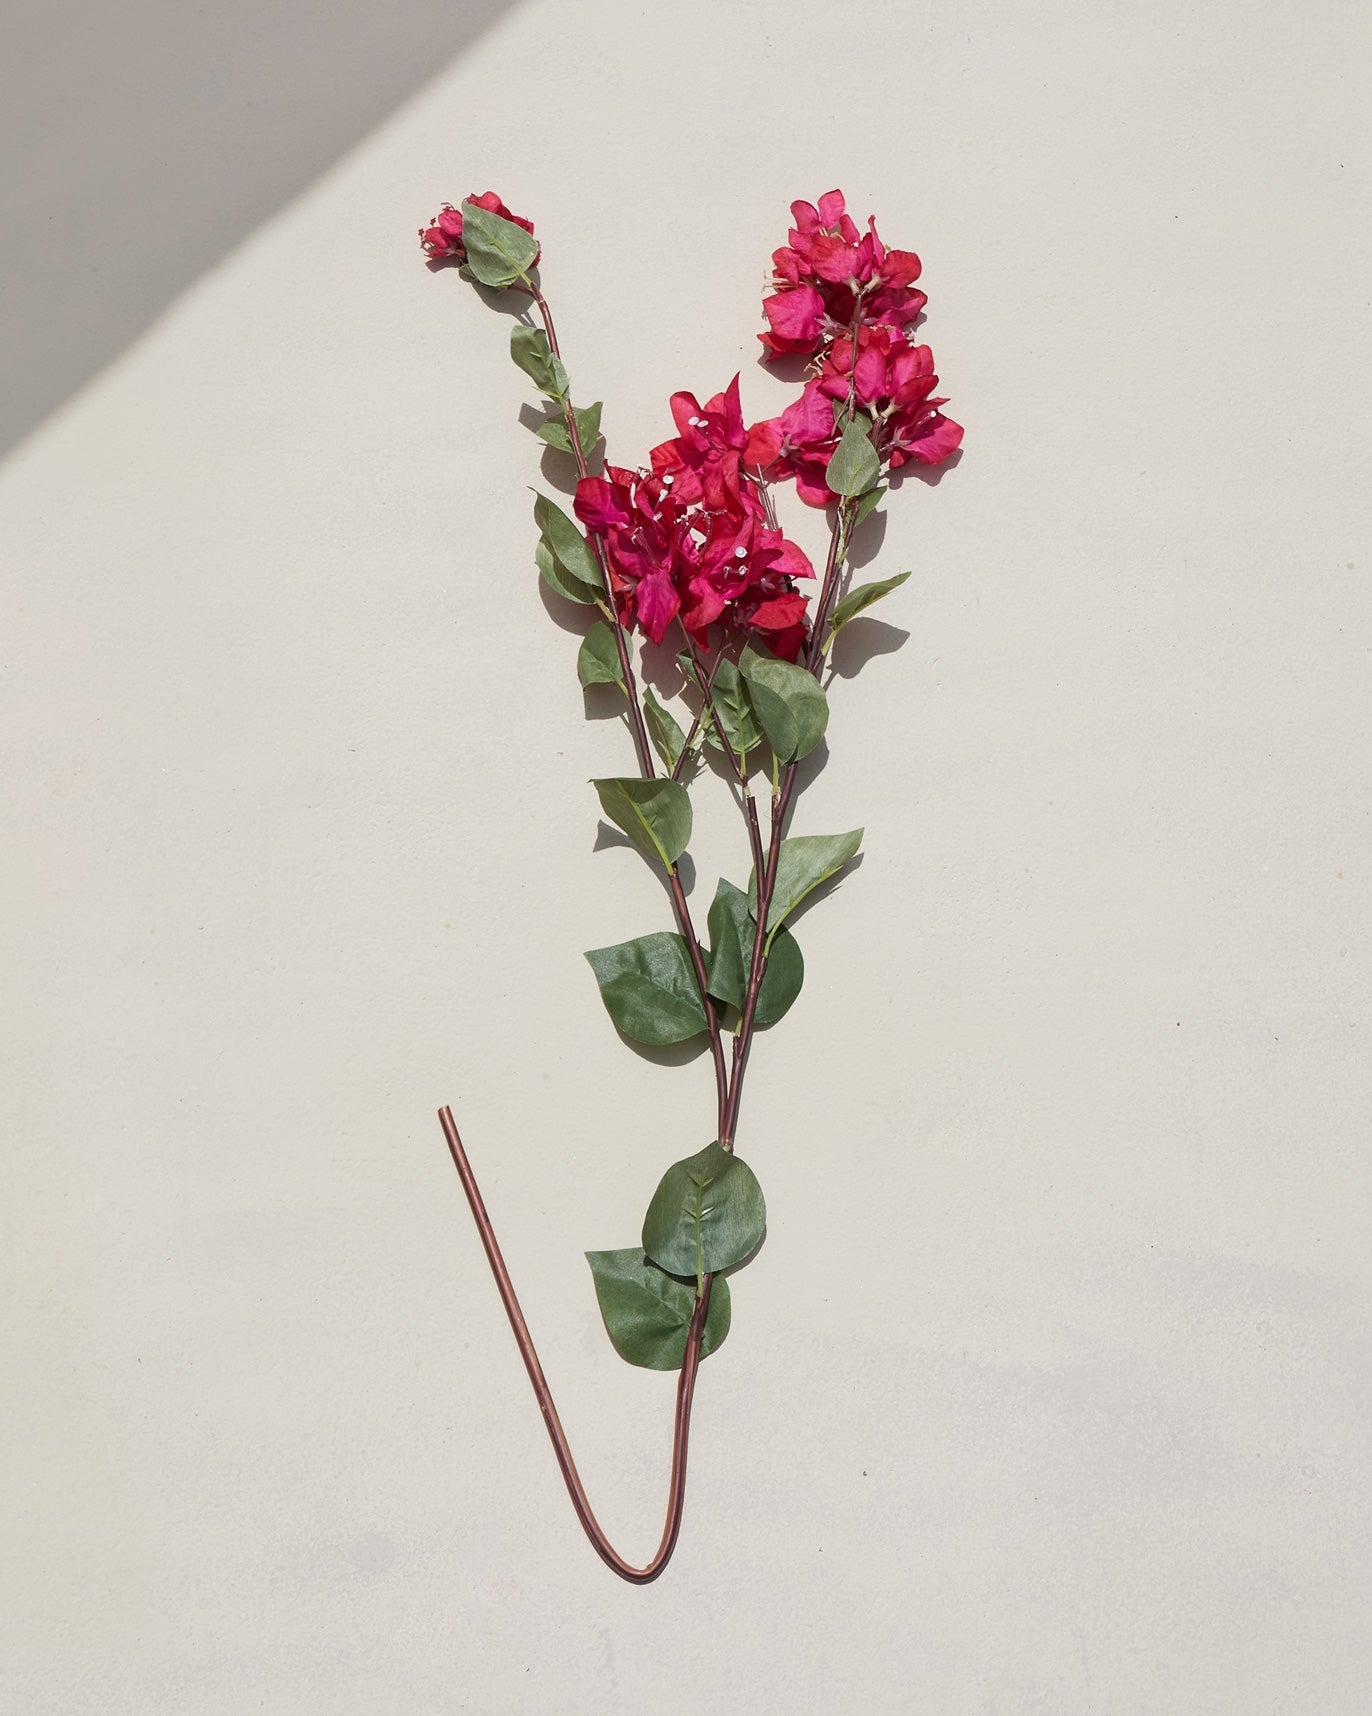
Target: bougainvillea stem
{"points": [[676, 1489], [781, 806], [705, 685], [645, 754], [697, 958], [691, 538]]}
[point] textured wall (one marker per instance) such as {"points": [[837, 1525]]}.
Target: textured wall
{"points": [[1053, 1402]]}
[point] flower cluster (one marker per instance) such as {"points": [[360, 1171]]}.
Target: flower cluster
{"points": [[443, 239], [689, 537], [693, 538], [828, 273], [847, 302]]}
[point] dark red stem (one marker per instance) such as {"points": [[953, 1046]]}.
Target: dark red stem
{"points": [[676, 1489], [645, 754], [767, 876]]}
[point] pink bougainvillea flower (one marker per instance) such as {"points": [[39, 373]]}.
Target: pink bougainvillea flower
{"points": [[798, 445], [830, 275], [442, 240], [689, 538], [894, 381], [704, 457], [639, 522], [797, 321], [744, 580]]}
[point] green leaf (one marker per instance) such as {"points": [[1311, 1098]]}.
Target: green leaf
{"points": [[707, 1214], [775, 717], [863, 597], [732, 929], [559, 581], [732, 707], [648, 1312], [530, 350], [800, 696], [668, 738], [650, 990], [571, 548], [854, 467], [656, 814], [867, 504], [597, 661], [498, 251], [804, 862], [555, 433]]}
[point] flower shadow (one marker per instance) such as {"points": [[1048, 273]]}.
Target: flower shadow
{"points": [[930, 475]]}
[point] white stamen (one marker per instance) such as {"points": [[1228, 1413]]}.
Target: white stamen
{"points": [[667, 480], [740, 554]]}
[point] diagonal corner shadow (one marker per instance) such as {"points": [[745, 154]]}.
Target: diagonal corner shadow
{"points": [[143, 141]]}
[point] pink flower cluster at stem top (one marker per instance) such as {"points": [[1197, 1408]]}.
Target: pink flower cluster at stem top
{"points": [[691, 538]]}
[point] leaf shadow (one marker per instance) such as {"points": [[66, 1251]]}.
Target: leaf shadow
{"points": [[859, 642], [743, 1262], [658, 667], [604, 703], [557, 468], [811, 767], [608, 838], [670, 1054], [574, 617], [867, 539], [517, 305]]}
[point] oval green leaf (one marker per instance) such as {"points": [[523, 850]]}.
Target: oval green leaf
{"points": [[868, 504], [648, 1312], [597, 661], [854, 467], [667, 736], [530, 350], [555, 432], [863, 597], [803, 863], [732, 929], [560, 581], [655, 814], [649, 989], [707, 1214], [573, 551], [730, 707], [772, 681], [498, 251]]}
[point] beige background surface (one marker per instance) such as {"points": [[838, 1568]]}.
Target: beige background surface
{"points": [[1047, 1393]]}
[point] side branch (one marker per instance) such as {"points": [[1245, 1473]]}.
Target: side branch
{"points": [[676, 1490], [680, 907]]}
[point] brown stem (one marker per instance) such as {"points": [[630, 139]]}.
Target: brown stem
{"points": [[781, 805], [697, 958], [640, 731], [645, 754], [676, 1489], [706, 688]]}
